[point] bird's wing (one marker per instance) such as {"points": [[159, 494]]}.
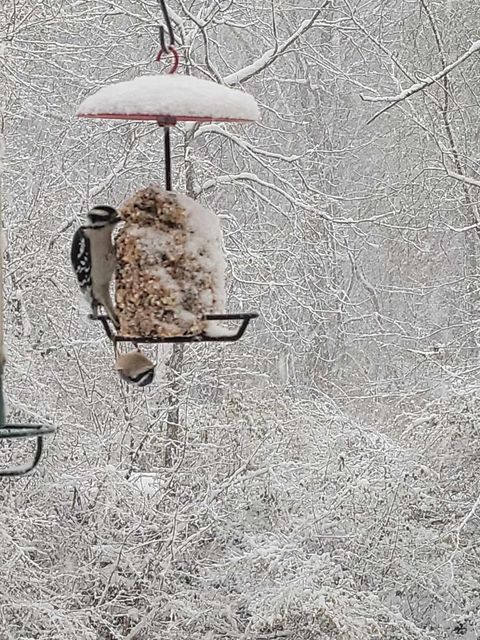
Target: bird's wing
{"points": [[81, 258]]}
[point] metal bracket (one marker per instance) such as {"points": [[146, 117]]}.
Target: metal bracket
{"points": [[200, 337], [11, 431]]}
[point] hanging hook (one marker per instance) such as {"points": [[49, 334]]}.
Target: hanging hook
{"points": [[176, 60]]}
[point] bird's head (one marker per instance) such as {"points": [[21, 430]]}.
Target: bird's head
{"points": [[102, 216]]}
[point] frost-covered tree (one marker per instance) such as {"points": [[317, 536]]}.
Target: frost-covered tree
{"points": [[321, 477]]}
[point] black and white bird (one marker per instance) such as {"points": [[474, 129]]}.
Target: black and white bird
{"points": [[93, 259]]}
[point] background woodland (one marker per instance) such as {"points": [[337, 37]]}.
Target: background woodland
{"points": [[319, 479]]}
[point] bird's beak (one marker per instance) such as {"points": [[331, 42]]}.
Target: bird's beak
{"points": [[116, 220]]}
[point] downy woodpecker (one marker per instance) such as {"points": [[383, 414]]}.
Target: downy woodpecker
{"points": [[93, 259]]}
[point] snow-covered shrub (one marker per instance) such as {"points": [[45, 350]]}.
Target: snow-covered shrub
{"points": [[284, 520]]}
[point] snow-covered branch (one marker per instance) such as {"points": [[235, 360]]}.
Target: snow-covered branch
{"points": [[464, 179], [420, 86], [295, 202], [270, 56], [241, 142]]}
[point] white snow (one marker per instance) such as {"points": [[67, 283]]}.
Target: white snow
{"points": [[147, 483], [171, 95], [160, 272], [206, 244], [215, 329]]}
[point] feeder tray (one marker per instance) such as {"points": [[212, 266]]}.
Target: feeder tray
{"points": [[199, 337]]}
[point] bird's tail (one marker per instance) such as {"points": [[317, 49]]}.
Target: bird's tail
{"points": [[107, 304]]}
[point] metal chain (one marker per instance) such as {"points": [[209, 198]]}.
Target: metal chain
{"points": [[170, 48], [168, 23]]}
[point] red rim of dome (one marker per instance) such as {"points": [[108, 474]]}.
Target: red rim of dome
{"points": [[160, 118]]}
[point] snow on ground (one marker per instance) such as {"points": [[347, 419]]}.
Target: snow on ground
{"points": [[288, 521], [148, 484]]}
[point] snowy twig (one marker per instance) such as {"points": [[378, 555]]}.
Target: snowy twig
{"points": [[294, 201], [419, 86], [464, 179], [270, 56], [241, 142]]}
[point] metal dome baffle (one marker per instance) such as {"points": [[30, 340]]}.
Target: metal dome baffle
{"points": [[168, 99], [16, 431]]}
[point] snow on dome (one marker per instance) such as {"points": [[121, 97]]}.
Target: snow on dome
{"points": [[182, 97]]}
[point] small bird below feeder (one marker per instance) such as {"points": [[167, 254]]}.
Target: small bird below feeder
{"points": [[135, 368]]}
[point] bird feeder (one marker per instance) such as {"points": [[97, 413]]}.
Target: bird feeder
{"points": [[168, 99]]}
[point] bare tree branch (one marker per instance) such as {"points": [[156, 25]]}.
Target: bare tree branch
{"points": [[270, 56], [464, 179], [419, 86]]}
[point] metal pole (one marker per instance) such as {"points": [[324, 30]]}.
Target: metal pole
{"points": [[168, 159], [2, 350]]}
